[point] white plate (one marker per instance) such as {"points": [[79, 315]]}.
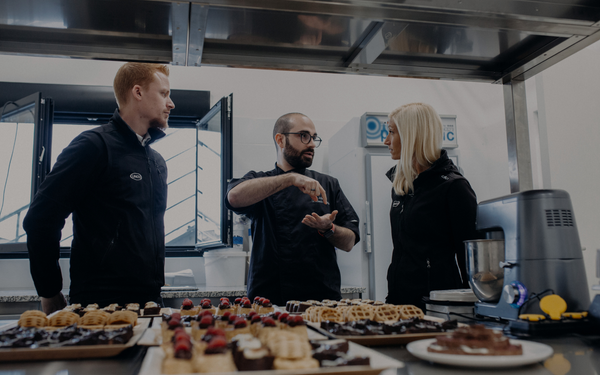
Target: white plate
{"points": [[533, 352]]}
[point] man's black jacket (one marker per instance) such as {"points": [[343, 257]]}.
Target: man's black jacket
{"points": [[117, 191]]}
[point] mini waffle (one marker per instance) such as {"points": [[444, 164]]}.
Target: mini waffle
{"points": [[34, 313], [359, 312], [332, 315], [386, 312], [410, 311], [94, 318], [63, 319], [123, 317], [32, 321]]}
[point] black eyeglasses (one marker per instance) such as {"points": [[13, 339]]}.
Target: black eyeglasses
{"points": [[306, 137]]}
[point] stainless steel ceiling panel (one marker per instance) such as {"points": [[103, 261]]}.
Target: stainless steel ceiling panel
{"points": [[180, 19], [198, 21]]}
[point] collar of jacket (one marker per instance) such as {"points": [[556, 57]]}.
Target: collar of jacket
{"points": [[121, 125], [441, 166], [297, 170]]}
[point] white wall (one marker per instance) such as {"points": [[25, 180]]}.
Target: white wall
{"points": [[569, 104], [570, 99]]}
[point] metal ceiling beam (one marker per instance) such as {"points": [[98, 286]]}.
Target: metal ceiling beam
{"points": [[91, 44], [316, 64], [368, 46], [198, 19], [180, 17], [479, 16], [553, 56]]}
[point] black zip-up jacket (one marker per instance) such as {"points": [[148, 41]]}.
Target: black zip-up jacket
{"points": [[429, 226], [117, 191]]}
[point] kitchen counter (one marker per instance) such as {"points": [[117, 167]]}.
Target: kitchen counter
{"points": [[24, 295], [573, 355]]}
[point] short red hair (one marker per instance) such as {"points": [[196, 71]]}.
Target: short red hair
{"points": [[131, 74]]}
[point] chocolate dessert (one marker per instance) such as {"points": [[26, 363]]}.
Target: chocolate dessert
{"points": [[250, 355], [369, 327], [151, 308], [475, 340]]}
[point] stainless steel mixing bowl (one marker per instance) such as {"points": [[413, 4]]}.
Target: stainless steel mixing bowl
{"points": [[486, 277]]}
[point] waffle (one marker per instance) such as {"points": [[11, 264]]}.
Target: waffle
{"points": [[32, 321], [410, 311], [63, 319], [359, 312], [123, 317], [386, 312], [94, 318], [34, 313], [332, 315]]}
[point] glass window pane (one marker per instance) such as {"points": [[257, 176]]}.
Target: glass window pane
{"points": [[179, 151], [16, 161], [209, 182]]}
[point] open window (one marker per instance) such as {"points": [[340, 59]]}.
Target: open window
{"points": [[197, 148], [24, 143], [213, 159]]}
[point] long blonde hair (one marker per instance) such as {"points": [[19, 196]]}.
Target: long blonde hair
{"points": [[420, 130]]}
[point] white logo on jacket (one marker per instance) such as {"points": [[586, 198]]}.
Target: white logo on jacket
{"points": [[395, 203], [136, 176]]}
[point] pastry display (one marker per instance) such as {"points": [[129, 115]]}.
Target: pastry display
{"points": [[32, 337], [475, 340], [372, 328], [151, 308], [245, 306], [206, 305], [188, 308], [265, 306], [133, 307], [224, 307]]}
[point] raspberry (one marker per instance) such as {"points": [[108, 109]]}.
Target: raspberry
{"points": [[266, 301], [183, 345], [283, 317], [276, 314], [217, 342], [240, 323], [174, 322], [206, 320], [232, 318], [255, 318], [251, 314], [215, 331], [238, 300], [256, 298], [176, 315], [268, 322], [226, 314], [187, 302], [205, 313], [298, 319], [181, 335]]}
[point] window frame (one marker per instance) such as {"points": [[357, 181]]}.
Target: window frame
{"points": [[94, 105]]}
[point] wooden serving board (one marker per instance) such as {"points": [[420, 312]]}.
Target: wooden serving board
{"points": [[383, 340], [73, 352]]}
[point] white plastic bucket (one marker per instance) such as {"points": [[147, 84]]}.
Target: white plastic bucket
{"points": [[225, 267]]}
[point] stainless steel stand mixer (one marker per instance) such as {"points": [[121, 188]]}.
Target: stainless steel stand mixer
{"points": [[533, 247]]}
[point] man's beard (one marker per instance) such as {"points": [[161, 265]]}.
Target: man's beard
{"points": [[159, 124], [294, 156]]}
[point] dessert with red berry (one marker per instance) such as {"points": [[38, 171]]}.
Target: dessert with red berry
{"points": [[188, 308], [265, 307], [224, 306], [216, 358]]}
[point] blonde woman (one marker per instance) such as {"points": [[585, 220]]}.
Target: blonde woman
{"points": [[433, 209]]}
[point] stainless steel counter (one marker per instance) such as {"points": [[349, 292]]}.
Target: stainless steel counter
{"points": [[573, 355]]}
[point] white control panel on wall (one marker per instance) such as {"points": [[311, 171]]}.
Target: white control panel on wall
{"points": [[374, 129]]}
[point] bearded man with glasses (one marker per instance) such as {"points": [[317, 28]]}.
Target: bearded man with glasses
{"points": [[299, 217]]}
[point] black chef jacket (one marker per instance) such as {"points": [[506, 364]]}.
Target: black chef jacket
{"points": [[290, 260], [429, 226]]}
